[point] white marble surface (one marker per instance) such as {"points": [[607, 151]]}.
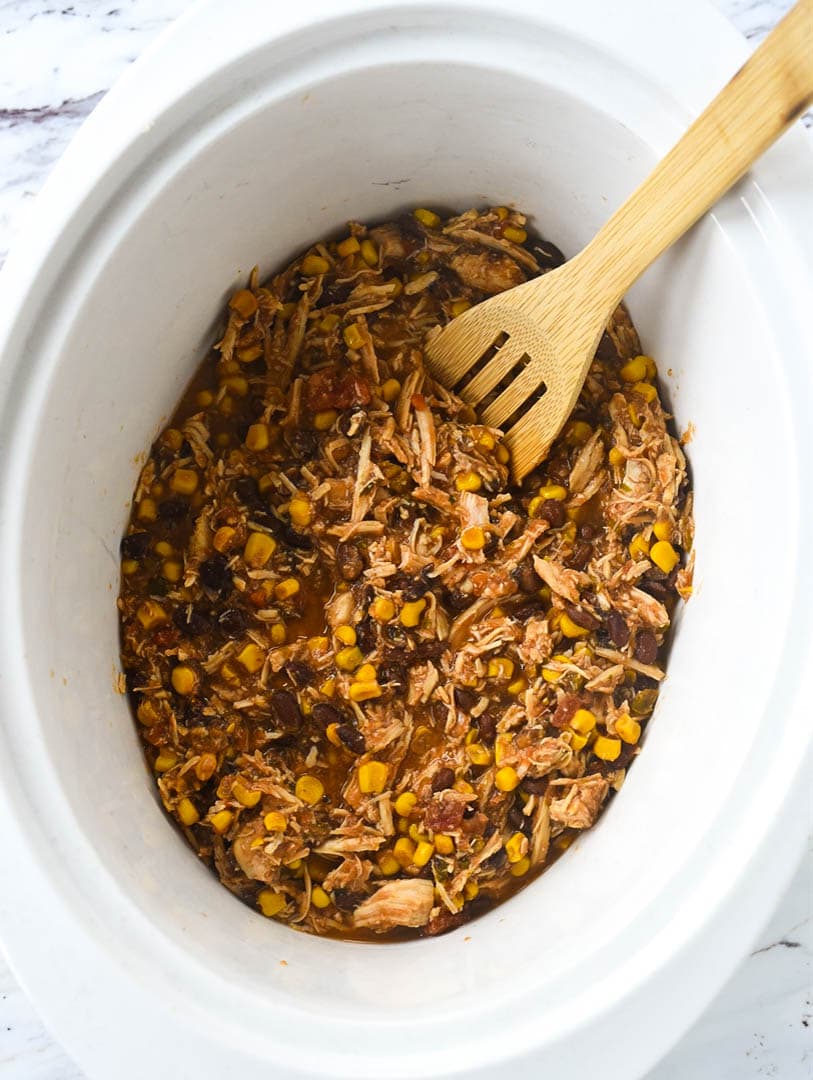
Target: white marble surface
{"points": [[56, 61]]}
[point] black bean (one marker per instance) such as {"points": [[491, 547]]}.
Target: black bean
{"points": [[516, 819], [173, 511], [214, 574], [352, 738], [587, 532], [288, 535], [657, 589], [465, 699], [366, 634], [527, 578], [553, 511], [346, 900], [497, 861], [617, 628], [443, 779], [547, 254], [559, 469], [429, 650], [300, 673], [535, 785], [349, 561], [194, 623], [393, 674], [646, 647], [233, 621], [582, 551], [487, 726], [582, 617], [324, 714], [135, 546], [416, 587], [303, 443], [157, 586], [285, 708], [248, 492], [456, 600], [532, 607]]}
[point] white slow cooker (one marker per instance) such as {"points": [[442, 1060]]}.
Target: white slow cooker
{"points": [[249, 130]]}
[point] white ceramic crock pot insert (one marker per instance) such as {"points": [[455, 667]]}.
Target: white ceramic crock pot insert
{"points": [[243, 136]]}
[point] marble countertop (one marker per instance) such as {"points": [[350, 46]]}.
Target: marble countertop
{"points": [[56, 62]]}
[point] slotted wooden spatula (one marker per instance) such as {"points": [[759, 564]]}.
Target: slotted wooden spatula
{"points": [[539, 338]]}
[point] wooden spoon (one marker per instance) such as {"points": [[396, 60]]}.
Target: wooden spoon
{"points": [[543, 334]]}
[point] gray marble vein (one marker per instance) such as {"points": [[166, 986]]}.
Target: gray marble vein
{"points": [[57, 60]]}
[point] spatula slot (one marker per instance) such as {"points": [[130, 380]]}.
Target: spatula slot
{"points": [[470, 375]]}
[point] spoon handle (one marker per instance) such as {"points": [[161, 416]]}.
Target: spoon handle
{"points": [[769, 92]]}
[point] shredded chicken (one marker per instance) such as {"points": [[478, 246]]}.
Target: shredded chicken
{"points": [[379, 686]]}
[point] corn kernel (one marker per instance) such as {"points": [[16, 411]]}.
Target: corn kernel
{"points": [[172, 570], [390, 390], [251, 657], [664, 556], [271, 903], [570, 628], [458, 307], [129, 566], [583, 720], [230, 673], [353, 336], [478, 754], [646, 390], [187, 812], [427, 217], [309, 789], [423, 853], [147, 510], [578, 741], [346, 635], [221, 541], [411, 612], [500, 667], [517, 686], [606, 747], [520, 868], [369, 252], [403, 850], [616, 457], [349, 659], [348, 247], [150, 614], [221, 820], [506, 779], [258, 437], [470, 890], [468, 481], [651, 368], [364, 691], [502, 454], [329, 322], [313, 265], [535, 505], [318, 644], [405, 803], [184, 680], [388, 864], [372, 777], [278, 633], [299, 510], [635, 417], [551, 675], [286, 588], [328, 687], [204, 398], [332, 735], [325, 419], [163, 549], [473, 538], [237, 384], [553, 491], [662, 530], [639, 546], [634, 370], [514, 234], [244, 302], [444, 845], [319, 898], [382, 609], [516, 846], [247, 354], [628, 729], [577, 433], [245, 796], [274, 821], [166, 760], [366, 673]]}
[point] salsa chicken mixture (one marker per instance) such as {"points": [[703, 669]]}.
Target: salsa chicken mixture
{"points": [[380, 686]]}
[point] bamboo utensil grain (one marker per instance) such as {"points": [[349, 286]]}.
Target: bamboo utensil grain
{"points": [[542, 335]]}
